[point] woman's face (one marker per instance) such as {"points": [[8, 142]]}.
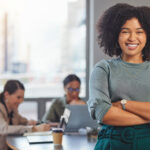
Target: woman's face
{"points": [[72, 90], [132, 39], [13, 100]]}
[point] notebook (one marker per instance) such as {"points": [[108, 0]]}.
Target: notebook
{"points": [[79, 117], [39, 139]]}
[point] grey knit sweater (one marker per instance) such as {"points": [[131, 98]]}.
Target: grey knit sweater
{"points": [[113, 80]]}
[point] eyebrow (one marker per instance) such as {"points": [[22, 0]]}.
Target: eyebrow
{"points": [[129, 29]]}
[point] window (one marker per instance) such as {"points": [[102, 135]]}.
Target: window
{"points": [[42, 41], [29, 110]]}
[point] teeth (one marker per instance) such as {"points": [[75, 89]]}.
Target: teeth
{"points": [[132, 45]]}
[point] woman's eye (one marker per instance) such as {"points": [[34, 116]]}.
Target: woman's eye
{"points": [[139, 32], [124, 32]]}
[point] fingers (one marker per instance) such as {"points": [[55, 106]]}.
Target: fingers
{"points": [[41, 127], [32, 122], [47, 127]]}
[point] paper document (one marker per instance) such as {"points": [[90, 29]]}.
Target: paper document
{"points": [[38, 133]]}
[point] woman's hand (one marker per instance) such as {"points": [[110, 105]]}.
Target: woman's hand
{"points": [[117, 104], [32, 122], [41, 127], [141, 109]]}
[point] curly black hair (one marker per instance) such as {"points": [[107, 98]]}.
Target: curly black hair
{"points": [[110, 23]]}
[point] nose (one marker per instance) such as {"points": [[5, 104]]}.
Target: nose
{"points": [[132, 36]]}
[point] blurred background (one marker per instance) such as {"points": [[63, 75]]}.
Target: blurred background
{"points": [[42, 41]]}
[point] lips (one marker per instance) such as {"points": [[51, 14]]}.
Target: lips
{"points": [[132, 46]]}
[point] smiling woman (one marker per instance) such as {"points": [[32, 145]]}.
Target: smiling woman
{"points": [[119, 93], [13, 100], [11, 122], [132, 39]]}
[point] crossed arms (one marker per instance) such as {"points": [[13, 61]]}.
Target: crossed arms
{"points": [[136, 113]]}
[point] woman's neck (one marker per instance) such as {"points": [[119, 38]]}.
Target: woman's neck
{"points": [[8, 107], [135, 60]]}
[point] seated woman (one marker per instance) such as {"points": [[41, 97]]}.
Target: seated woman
{"points": [[72, 89], [11, 122]]}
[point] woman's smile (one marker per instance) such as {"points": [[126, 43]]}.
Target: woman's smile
{"points": [[132, 39]]}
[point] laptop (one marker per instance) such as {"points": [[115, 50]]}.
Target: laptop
{"points": [[39, 139], [78, 118]]}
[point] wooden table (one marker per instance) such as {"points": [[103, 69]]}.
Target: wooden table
{"points": [[70, 142]]}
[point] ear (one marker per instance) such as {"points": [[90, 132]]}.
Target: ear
{"points": [[6, 95]]}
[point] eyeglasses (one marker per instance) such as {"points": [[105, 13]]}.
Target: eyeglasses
{"points": [[71, 89]]}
